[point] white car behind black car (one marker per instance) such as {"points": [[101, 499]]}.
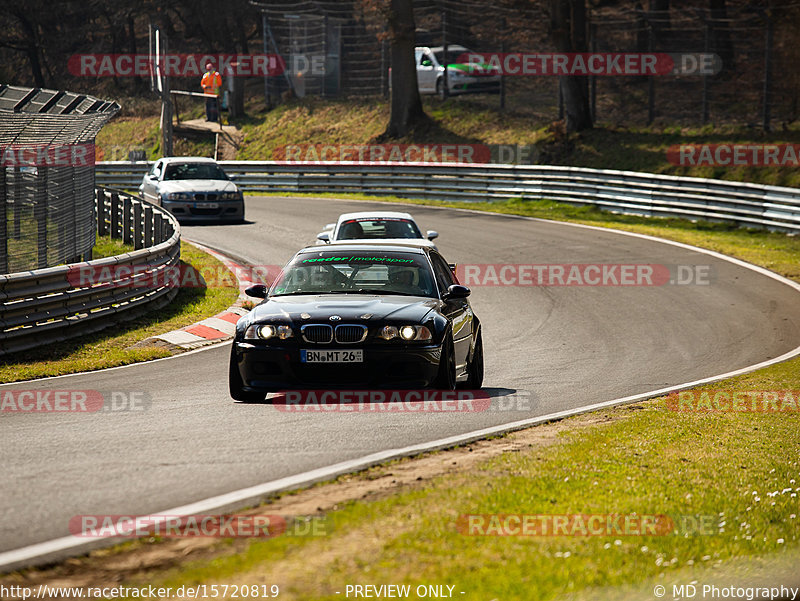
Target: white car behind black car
{"points": [[377, 225], [193, 189]]}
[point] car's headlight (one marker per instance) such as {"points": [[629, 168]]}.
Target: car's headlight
{"points": [[179, 196], [229, 196], [267, 331], [407, 333]]}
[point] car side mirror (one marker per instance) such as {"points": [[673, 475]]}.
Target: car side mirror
{"points": [[328, 226], [257, 291], [456, 291], [324, 236], [152, 176], [432, 234], [233, 177]]}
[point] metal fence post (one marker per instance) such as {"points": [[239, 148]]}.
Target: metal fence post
{"points": [[593, 77], [115, 216], [706, 47], [148, 226], [138, 239], [651, 82], [502, 53], [127, 235], [767, 72], [40, 216], [3, 223], [101, 212]]}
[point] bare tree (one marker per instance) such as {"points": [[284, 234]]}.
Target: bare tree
{"points": [[568, 31], [406, 110]]}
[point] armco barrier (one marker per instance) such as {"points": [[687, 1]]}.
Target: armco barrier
{"points": [[45, 306], [750, 205]]}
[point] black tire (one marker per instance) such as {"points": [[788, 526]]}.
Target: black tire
{"points": [[446, 377], [475, 368], [235, 384], [440, 89]]}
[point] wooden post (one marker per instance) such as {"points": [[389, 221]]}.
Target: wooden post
{"points": [[166, 105]]}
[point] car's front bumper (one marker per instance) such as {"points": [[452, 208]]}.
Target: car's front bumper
{"points": [[189, 211], [273, 368]]}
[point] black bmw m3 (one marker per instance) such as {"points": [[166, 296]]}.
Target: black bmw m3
{"points": [[358, 316]]}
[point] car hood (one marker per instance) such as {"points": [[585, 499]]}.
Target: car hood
{"points": [[197, 185], [352, 308]]}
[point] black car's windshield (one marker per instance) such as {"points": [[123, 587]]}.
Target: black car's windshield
{"points": [[329, 272], [358, 229], [194, 171]]}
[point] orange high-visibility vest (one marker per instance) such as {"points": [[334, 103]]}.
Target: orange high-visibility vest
{"points": [[211, 83]]}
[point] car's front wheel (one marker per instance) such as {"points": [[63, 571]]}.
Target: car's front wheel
{"points": [[235, 384], [446, 377], [475, 369]]}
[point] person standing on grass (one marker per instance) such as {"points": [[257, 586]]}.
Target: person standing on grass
{"points": [[211, 83]]}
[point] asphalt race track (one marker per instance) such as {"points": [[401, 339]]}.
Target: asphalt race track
{"points": [[563, 346]]}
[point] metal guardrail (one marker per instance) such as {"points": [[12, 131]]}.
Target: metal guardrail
{"points": [[749, 205], [50, 305]]}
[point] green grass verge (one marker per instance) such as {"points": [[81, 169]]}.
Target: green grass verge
{"points": [[110, 347]]}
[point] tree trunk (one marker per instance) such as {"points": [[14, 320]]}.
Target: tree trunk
{"points": [[406, 111], [568, 30]]}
